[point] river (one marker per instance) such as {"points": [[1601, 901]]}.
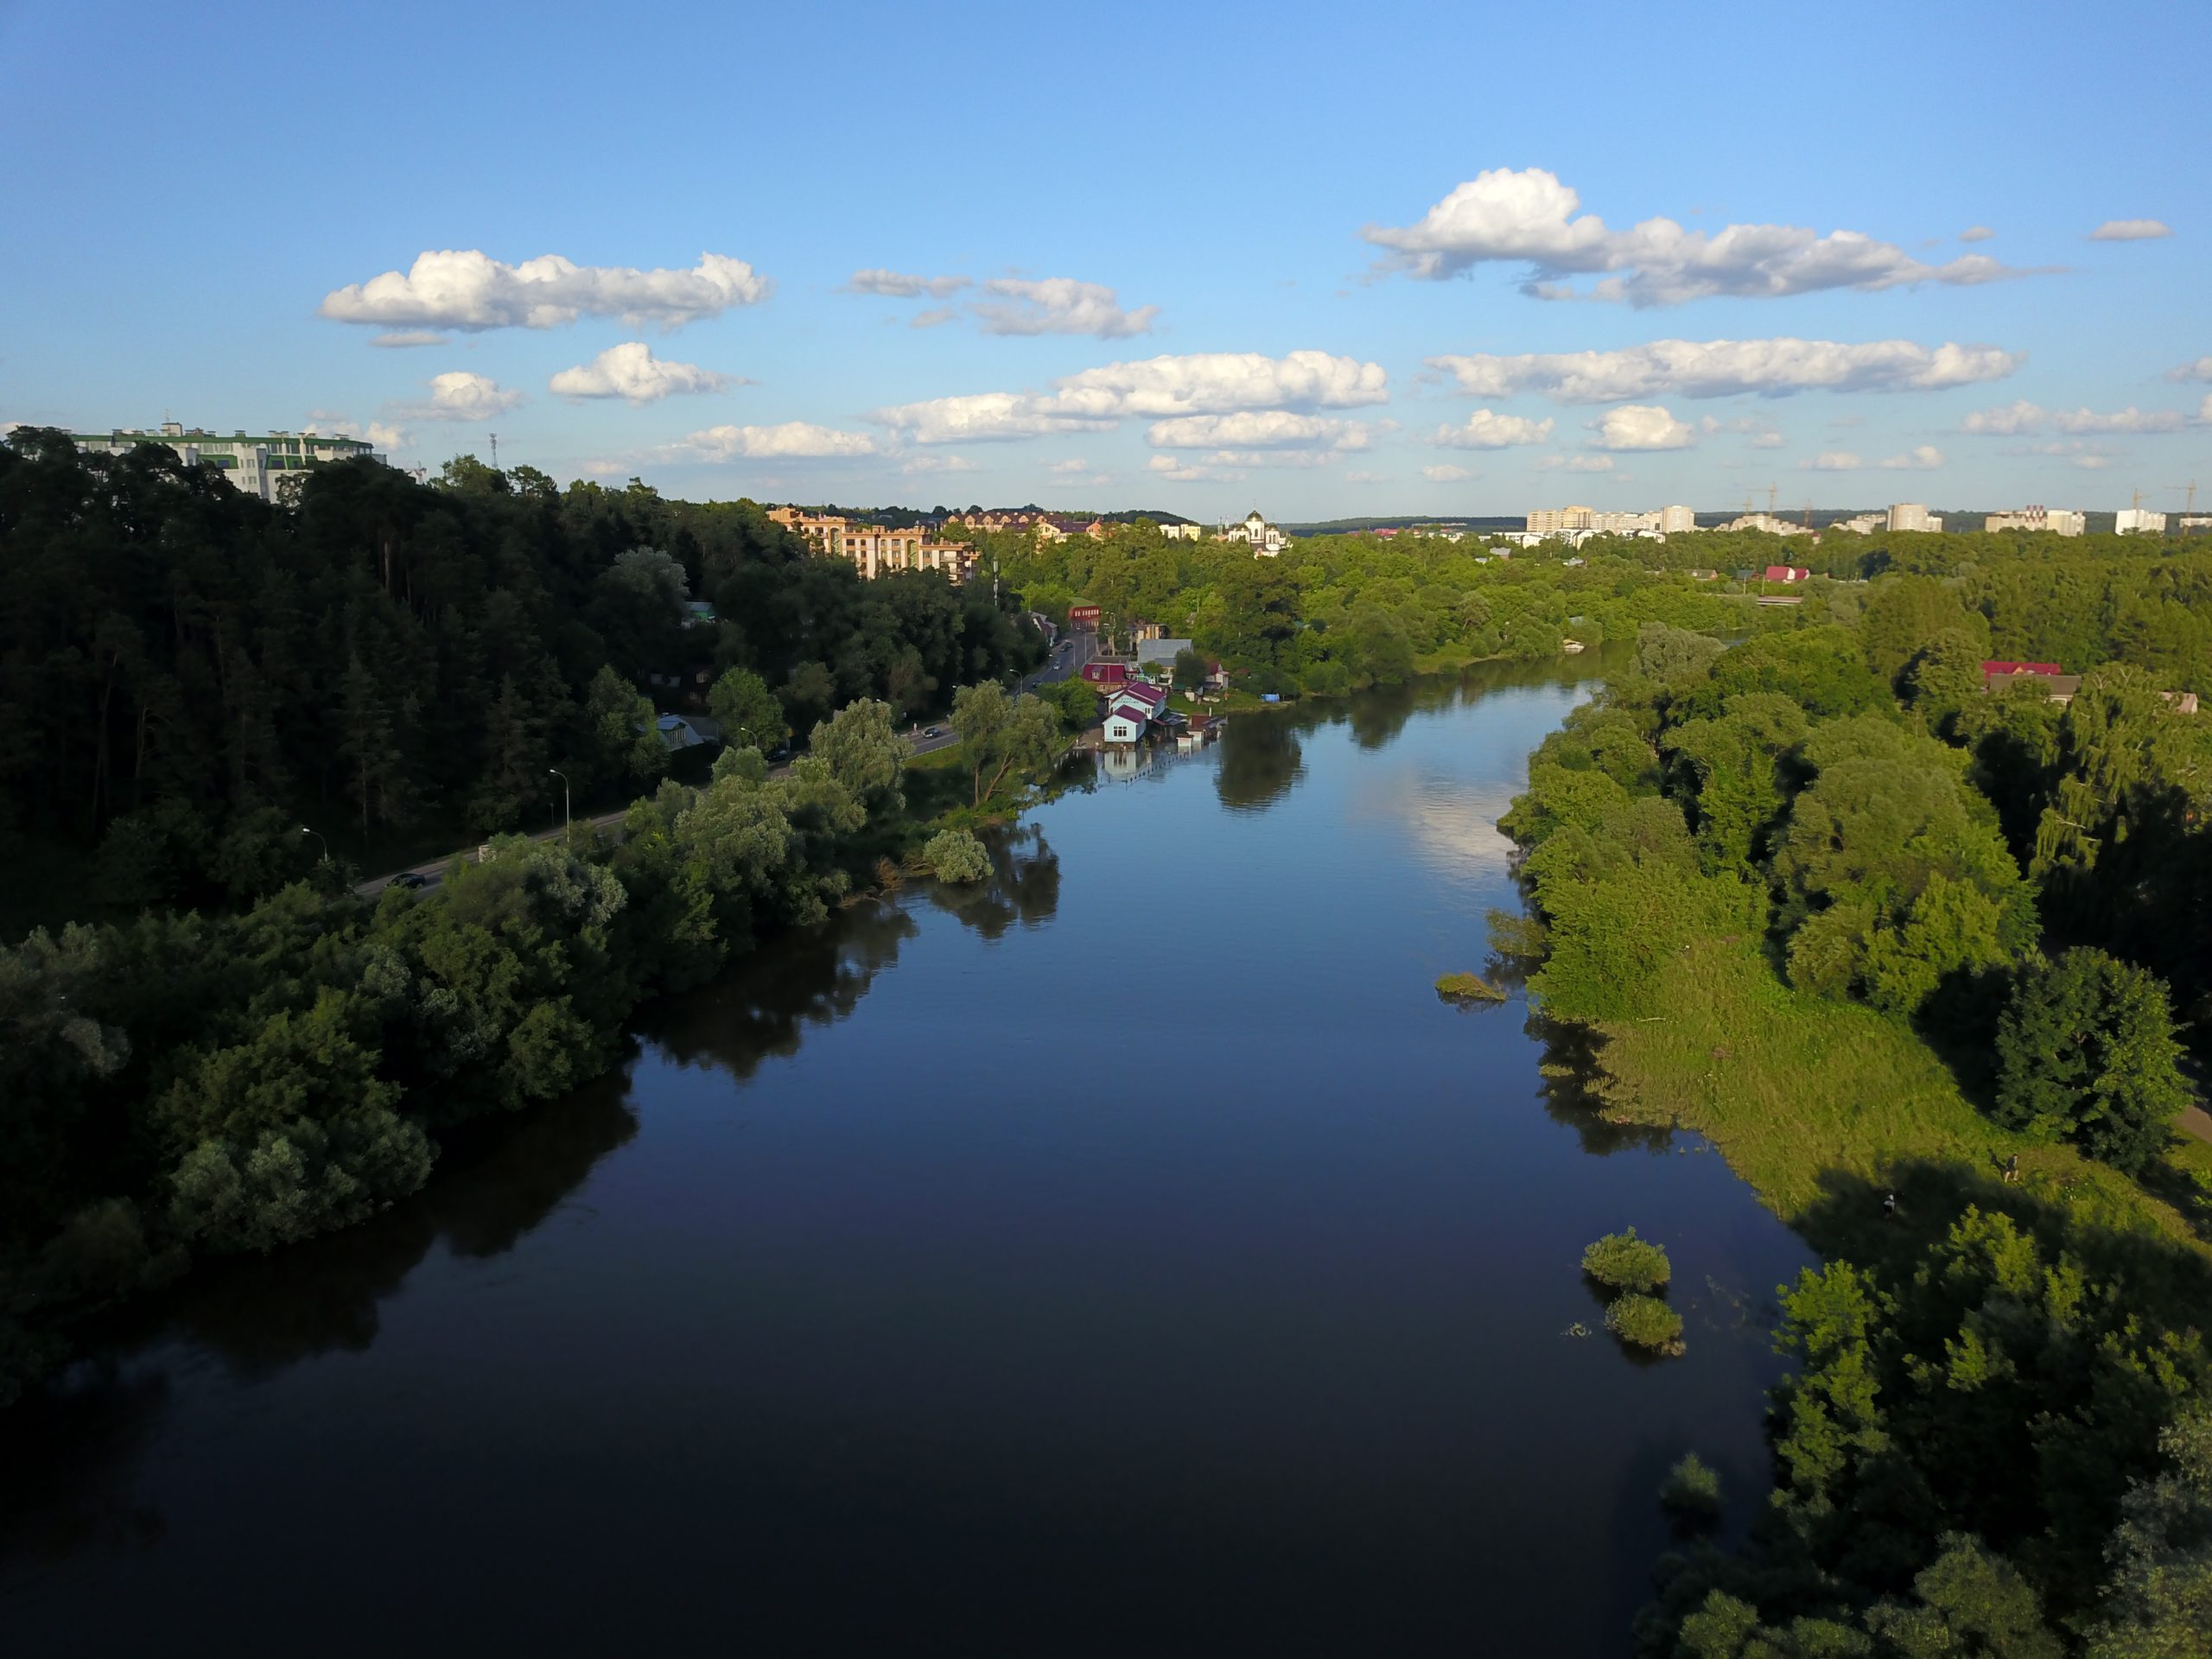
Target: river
{"points": [[1134, 1257]]}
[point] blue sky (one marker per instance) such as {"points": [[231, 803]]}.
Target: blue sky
{"points": [[1329, 262]]}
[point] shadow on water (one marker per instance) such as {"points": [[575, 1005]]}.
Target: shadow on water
{"points": [[1024, 886]]}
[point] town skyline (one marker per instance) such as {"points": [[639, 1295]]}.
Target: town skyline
{"points": [[1448, 314]]}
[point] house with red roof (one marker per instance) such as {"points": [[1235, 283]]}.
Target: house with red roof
{"points": [[1106, 675], [1787, 573]]}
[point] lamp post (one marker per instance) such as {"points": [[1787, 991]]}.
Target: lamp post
{"points": [[556, 772], [317, 833]]}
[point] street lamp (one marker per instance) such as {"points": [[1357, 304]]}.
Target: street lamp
{"points": [[317, 833], [556, 772]]}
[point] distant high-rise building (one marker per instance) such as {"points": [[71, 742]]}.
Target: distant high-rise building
{"points": [[2139, 521], [2058, 521], [1910, 515], [257, 465], [1673, 520]]}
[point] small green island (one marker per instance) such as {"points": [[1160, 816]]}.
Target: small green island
{"points": [[1468, 990]]}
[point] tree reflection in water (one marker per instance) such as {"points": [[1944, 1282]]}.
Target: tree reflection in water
{"points": [[1570, 1094], [1024, 886]]}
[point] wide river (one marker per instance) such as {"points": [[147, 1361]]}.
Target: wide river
{"points": [[1134, 1258]]}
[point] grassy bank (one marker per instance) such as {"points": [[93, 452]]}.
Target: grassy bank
{"points": [[1808, 1097]]}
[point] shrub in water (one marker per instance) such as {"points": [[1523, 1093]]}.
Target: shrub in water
{"points": [[956, 856], [1468, 988], [1627, 1262], [1692, 1494], [1646, 1322]]}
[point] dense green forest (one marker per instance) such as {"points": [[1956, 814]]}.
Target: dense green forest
{"points": [[188, 674], [1994, 1440]]}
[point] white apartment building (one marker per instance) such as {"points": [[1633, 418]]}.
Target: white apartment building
{"points": [[1910, 515], [1767, 521], [2139, 521], [1559, 521], [256, 465], [2058, 521], [1183, 532], [1865, 523]]}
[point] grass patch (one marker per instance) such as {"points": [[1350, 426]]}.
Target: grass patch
{"points": [[1802, 1095], [1468, 988], [1627, 1262]]}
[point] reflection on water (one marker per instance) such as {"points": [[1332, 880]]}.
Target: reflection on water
{"points": [[1570, 1095], [1127, 1254]]}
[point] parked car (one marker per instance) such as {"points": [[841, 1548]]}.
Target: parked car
{"points": [[409, 880], [932, 731]]}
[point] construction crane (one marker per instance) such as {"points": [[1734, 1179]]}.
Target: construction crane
{"points": [[1809, 515], [1772, 490]]}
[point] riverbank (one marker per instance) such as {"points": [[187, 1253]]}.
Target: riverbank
{"points": [[1811, 1099]]}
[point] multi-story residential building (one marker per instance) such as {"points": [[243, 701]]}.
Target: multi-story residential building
{"points": [[1184, 532], [1865, 523], [257, 465], [1557, 521], [873, 550], [994, 520], [2058, 521], [1910, 515], [2139, 521]]}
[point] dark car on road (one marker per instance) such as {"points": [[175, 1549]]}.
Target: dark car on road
{"points": [[409, 880]]}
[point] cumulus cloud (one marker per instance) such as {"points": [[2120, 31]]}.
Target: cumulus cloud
{"points": [[1445, 474], [2091, 463], [1269, 429], [1485, 430], [2130, 230], [1058, 305], [460, 395], [2014, 419], [1092, 400], [1176, 471], [1528, 217], [385, 437], [404, 339], [1721, 368], [2200, 370], [917, 464], [898, 285], [1642, 426], [932, 317], [630, 372], [468, 289], [1976, 233], [1922, 458], [1067, 468], [793, 440], [1833, 460]]}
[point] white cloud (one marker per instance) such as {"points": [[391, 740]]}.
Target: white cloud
{"points": [[2200, 370], [985, 416], [1767, 441], [403, 338], [1362, 478], [630, 372], [1059, 305], [1722, 368], [793, 440], [1976, 233], [932, 317], [460, 395], [1066, 468], [1642, 426], [2020, 417], [1269, 429], [1485, 430], [917, 464], [1181, 471], [898, 285], [1526, 218], [1445, 474], [1922, 458], [1833, 460], [1576, 463], [1092, 400], [385, 437], [2130, 230], [1303, 458], [468, 289]]}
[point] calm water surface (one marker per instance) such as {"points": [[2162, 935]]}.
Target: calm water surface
{"points": [[1135, 1258]]}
